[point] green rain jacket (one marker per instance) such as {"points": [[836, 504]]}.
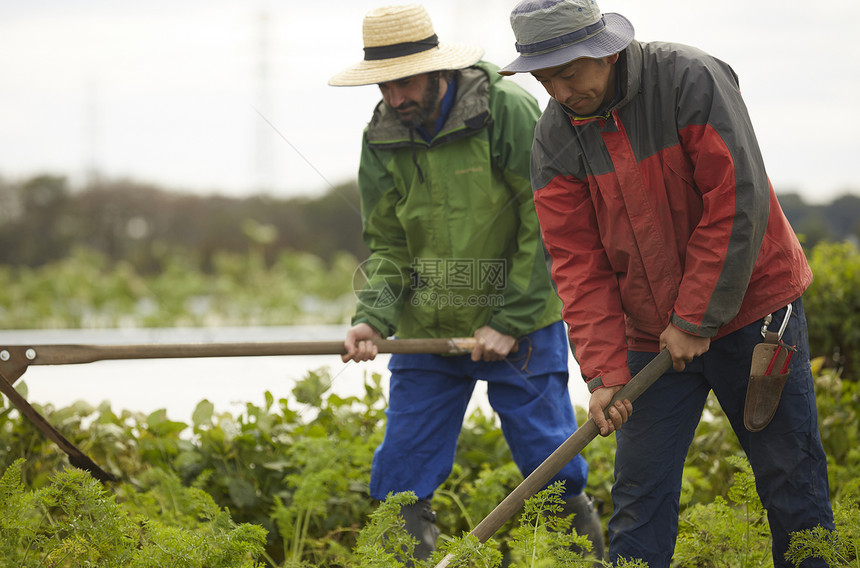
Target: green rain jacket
{"points": [[451, 224]]}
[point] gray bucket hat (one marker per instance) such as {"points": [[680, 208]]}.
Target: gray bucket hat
{"points": [[550, 33]]}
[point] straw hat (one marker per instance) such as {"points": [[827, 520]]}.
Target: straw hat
{"points": [[550, 33], [399, 41]]}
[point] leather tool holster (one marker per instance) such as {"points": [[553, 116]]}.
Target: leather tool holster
{"points": [[768, 373]]}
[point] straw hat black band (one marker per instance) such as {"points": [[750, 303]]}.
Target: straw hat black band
{"points": [[399, 41], [400, 49]]}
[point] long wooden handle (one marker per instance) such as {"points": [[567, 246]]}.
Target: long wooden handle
{"points": [[15, 357], [538, 479]]}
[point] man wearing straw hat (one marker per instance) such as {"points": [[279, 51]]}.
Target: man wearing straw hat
{"points": [[448, 215], [665, 232]]}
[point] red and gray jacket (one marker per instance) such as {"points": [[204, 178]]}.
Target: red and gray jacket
{"points": [[661, 211]]}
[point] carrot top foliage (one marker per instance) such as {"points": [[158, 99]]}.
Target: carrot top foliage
{"points": [[284, 484]]}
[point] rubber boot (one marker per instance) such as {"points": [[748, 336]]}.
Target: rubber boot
{"points": [[586, 522], [420, 522]]}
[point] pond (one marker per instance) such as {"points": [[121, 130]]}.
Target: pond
{"points": [[177, 385]]}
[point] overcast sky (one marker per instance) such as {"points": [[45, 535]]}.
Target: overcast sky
{"points": [[232, 97]]}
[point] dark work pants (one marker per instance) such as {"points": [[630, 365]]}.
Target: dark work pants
{"points": [[787, 458]]}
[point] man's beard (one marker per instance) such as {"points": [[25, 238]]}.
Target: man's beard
{"points": [[421, 112]]}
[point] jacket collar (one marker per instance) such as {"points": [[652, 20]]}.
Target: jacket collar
{"points": [[469, 113], [631, 72]]}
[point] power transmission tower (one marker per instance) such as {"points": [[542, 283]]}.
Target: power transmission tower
{"points": [[91, 134], [264, 149]]}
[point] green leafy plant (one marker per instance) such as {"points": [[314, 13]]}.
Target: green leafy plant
{"points": [[720, 535], [839, 548], [75, 522], [832, 305], [543, 539], [469, 552], [85, 290], [384, 542], [838, 417]]}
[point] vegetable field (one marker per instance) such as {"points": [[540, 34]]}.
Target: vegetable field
{"points": [[283, 483]]}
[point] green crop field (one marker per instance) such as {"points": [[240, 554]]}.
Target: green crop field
{"points": [[284, 482]]}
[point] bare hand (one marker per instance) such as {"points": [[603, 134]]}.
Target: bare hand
{"points": [[491, 345], [619, 412], [682, 346], [359, 345]]}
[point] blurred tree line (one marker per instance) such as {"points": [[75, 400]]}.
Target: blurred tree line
{"points": [[42, 220], [838, 220]]}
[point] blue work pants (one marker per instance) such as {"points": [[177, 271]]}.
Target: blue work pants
{"points": [[428, 397], [787, 458]]}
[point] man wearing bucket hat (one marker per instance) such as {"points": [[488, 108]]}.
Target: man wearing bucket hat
{"points": [[448, 215], [665, 232]]}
